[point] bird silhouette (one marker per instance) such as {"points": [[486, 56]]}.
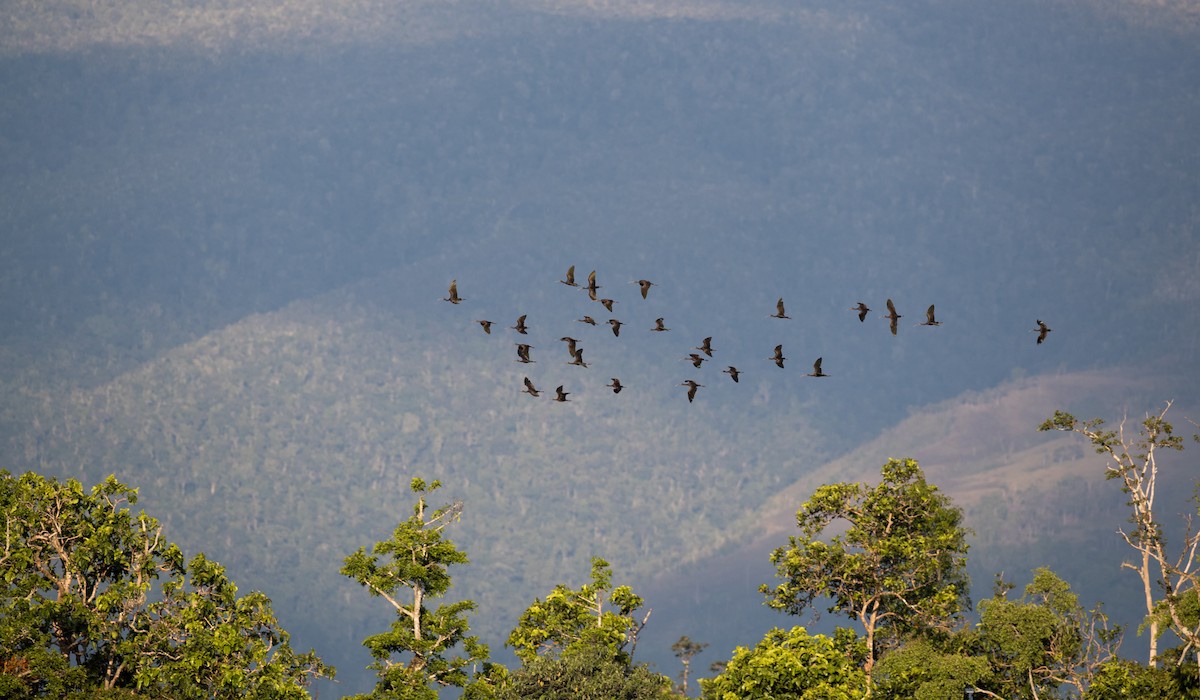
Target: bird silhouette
{"points": [[705, 347], [778, 356], [616, 385], [817, 370], [487, 326], [862, 310], [523, 353], [732, 372], [561, 395], [779, 312], [578, 358], [608, 304], [658, 325], [696, 359], [521, 327], [645, 285], [588, 320], [892, 315], [692, 386], [1042, 330], [616, 326], [592, 286], [530, 389], [570, 280], [929, 319], [453, 298], [570, 344]]}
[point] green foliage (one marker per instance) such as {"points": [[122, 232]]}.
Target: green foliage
{"points": [[794, 665], [406, 571], [1123, 679], [569, 620], [898, 568], [80, 610], [921, 669], [1045, 640], [589, 672]]}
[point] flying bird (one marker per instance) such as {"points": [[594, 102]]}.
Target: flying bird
{"points": [[778, 356], [521, 327], [645, 285], [607, 303], [892, 315], [487, 326], [862, 310], [570, 344], [658, 325], [616, 385], [696, 359], [1042, 330], [817, 370], [692, 386], [929, 319], [588, 320], [592, 286], [453, 298], [578, 355], [561, 395], [523, 353], [616, 326], [779, 313], [705, 347], [530, 389], [732, 372], [570, 280]]}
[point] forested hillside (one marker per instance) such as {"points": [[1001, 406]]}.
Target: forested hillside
{"points": [[227, 231]]}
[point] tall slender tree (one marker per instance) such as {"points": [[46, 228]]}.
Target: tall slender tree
{"points": [[1170, 580], [684, 650], [409, 570]]}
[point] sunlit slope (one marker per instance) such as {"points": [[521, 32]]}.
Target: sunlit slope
{"points": [[1032, 499]]}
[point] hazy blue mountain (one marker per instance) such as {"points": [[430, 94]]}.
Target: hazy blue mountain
{"points": [[226, 235]]}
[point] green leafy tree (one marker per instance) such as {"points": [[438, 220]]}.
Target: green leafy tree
{"points": [[569, 620], [897, 566], [1123, 679], [1169, 580], [794, 665], [418, 653], [1044, 641], [95, 600], [589, 672], [938, 668]]}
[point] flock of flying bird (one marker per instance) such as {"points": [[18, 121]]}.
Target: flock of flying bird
{"points": [[575, 351]]}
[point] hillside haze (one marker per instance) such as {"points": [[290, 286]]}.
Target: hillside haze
{"points": [[227, 234]]}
